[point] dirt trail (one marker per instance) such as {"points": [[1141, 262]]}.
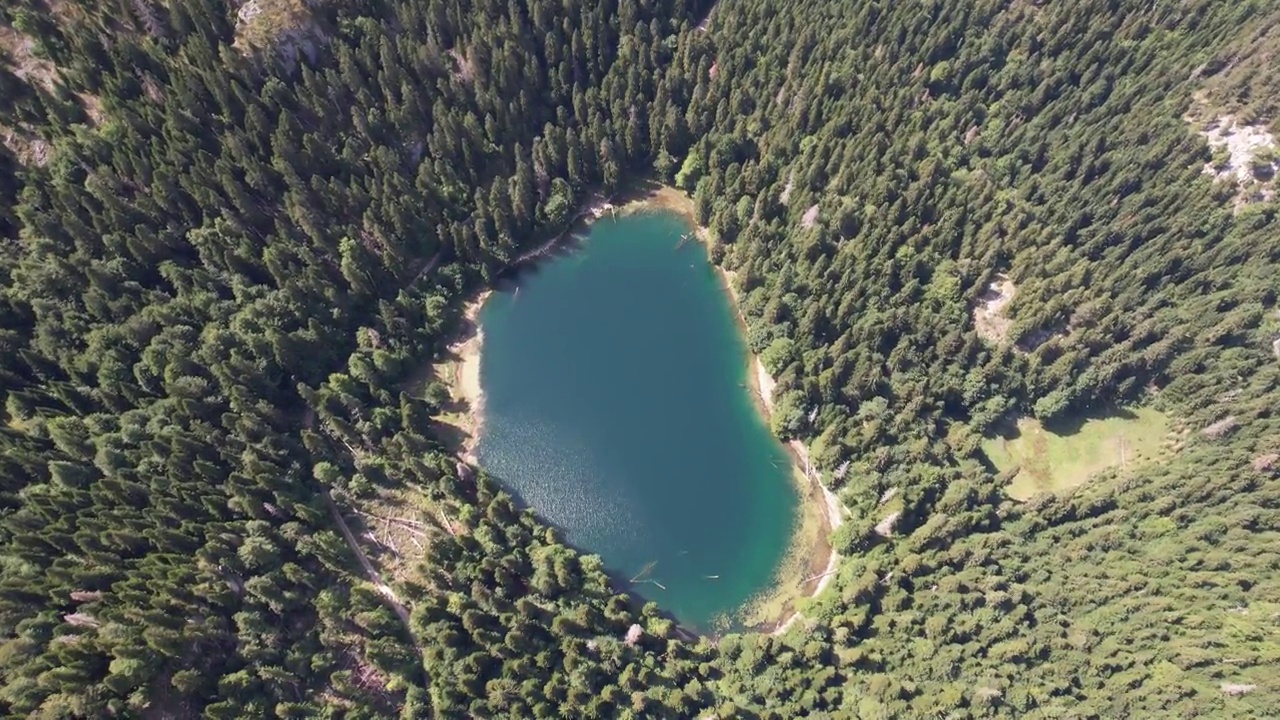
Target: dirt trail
{"points": [[374, 576], [309, 421]]}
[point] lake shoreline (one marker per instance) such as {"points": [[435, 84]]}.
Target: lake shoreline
{"points": [[810, 562], [462, 376], [460, 373]]}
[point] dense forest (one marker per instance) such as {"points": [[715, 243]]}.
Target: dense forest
{"points": [[235, 234]]}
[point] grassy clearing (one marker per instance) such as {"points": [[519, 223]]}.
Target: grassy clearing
{"points": [[1064, 457]]}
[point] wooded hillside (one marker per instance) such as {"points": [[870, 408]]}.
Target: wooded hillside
{"points": [[229, 261]]}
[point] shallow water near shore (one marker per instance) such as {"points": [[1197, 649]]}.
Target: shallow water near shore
{"points": [[617, 405]]}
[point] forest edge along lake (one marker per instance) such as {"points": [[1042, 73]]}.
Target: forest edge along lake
{"points": [[809, 562]]}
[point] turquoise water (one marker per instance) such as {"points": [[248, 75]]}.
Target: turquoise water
{"points": [[617, 406]]}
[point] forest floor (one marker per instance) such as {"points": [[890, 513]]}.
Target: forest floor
{"points": [[390, 542], [1053, 459], [395, 526]]}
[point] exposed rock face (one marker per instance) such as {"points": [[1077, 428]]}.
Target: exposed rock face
{"points": [[634, 633], [81, 620], [810, 217], [885, 527], [463, 470], [1245, 145], [1222, 428], [785, 197], [1245, 155], [1265, 463], [18, 52], [284, 27], [988, 316]]}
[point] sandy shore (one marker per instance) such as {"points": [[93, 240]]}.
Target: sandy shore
{"points": [[461, 374], [461, 371]]}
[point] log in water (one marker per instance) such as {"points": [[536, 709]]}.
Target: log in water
{"points": [[617, 406]]}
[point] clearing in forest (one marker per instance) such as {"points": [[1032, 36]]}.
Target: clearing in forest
{"points": [[1064, 457], [1244, 151], [286, 25], [988, 315]]}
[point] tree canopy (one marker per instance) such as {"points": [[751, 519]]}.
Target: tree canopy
{"points": [[226, 261]]}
